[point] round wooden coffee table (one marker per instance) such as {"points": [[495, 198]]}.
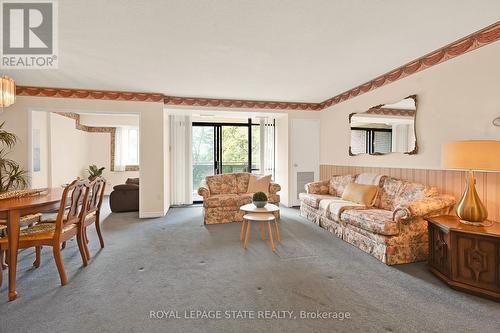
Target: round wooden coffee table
{"points": [[262, 215]]}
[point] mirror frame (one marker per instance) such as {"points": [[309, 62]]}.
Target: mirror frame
{"points": [[414, 151]]}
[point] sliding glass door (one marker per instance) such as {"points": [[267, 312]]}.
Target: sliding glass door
{"points": [[203, 143], [225, 148], [235, 148]]}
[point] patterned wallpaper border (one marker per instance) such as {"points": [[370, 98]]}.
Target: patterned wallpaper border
{"points": [[469, 43], [474, 41]]}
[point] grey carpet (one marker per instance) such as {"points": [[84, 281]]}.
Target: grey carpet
{"points": [[176, 263]]}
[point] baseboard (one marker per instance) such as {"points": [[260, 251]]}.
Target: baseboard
{"points": [[150, 215]]}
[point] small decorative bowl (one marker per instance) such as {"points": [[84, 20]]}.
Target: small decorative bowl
{"points": [[260, 204]]}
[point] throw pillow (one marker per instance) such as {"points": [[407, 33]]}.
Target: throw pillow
{"points": [[338, 184], [259, 183], [360, 193]]}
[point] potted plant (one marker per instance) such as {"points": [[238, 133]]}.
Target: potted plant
{"points": [[260, 199], [94, 171], [12, 176]]}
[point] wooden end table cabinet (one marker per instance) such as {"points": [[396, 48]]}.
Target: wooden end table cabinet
{"points": [[466, 257]]}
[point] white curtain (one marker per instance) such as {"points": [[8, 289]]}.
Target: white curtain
{"points": [[181, 160], [267, 146], [120, 149]]}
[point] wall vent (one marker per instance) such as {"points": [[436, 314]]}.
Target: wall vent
{"points": [[302, 179]]}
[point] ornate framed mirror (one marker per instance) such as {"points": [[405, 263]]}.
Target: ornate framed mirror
{"points": [[384, 129]]}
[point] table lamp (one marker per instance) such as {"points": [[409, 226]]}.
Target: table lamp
{"points": [[472, 155]]}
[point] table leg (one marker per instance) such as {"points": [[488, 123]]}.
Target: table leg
{"points": [[278, 236], [248, 232], [271, 235], [242, 234], [262, 231], [13, 235]]}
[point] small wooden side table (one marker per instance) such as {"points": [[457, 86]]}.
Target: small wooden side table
{"points": [[262, 218], [262, 215], [465, 257]]}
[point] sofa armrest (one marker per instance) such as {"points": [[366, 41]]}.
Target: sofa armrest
{"points": [[203, 190], [274, 188], [321, 187], [423, 207]]}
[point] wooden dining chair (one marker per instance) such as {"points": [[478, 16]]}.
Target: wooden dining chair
{"points": [[67, 225], [93, 211], [25, 221]]}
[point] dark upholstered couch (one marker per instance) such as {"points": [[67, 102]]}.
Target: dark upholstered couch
{"points": [[125, 197]]}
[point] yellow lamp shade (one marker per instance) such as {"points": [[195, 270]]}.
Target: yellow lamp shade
{"points": [[480, 155]]}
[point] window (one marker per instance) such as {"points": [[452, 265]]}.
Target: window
{"points": [[371, 140], [132, 157], [126, 149]]}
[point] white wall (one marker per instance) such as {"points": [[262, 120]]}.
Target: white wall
{"points": [[40, 122], [66, 152], [108, 120], [153, 197], [457, 100], [69, 150]]}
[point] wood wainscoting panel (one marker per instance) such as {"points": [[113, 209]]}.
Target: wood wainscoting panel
{"points": [[449, 182]]}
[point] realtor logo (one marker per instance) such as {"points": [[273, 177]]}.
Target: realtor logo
{"points": [[29, 34]]}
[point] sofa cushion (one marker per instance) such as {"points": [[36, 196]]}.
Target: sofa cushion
{"points": [[378, 221], [333, 208], [313, 200], [411, 192], [388, 193], [339, 183], [242, 181], [222, 184], [395, 192], [227, 200]]}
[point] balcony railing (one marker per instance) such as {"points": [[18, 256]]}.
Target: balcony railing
{"points": [[202, 170]]}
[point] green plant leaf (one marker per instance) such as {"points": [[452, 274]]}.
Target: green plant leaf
{"points": [[259, 196]]}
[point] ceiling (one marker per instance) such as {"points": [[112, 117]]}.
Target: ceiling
{"points": [[287, 50]]}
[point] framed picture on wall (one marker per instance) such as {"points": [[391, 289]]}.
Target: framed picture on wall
{"points": [[36, 150]]}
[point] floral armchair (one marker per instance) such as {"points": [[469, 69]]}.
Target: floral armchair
{"points": [[223, 195]]}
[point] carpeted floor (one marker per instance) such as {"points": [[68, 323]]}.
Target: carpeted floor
{"points": [[178, 264]]}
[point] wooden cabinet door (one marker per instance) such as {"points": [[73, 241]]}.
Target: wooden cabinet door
{"points": [[439, 249], [476, 261]]}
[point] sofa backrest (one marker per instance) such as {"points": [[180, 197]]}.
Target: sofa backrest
{"points": [[229, 183], [392, 191], [222, 184], [242, 179], [395, 192], [338, 184]]}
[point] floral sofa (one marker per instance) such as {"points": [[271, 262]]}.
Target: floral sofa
{"points": [[223, 195], [393, 230]]}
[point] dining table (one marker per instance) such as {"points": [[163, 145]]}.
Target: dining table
{"points": [[11, 210]]}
